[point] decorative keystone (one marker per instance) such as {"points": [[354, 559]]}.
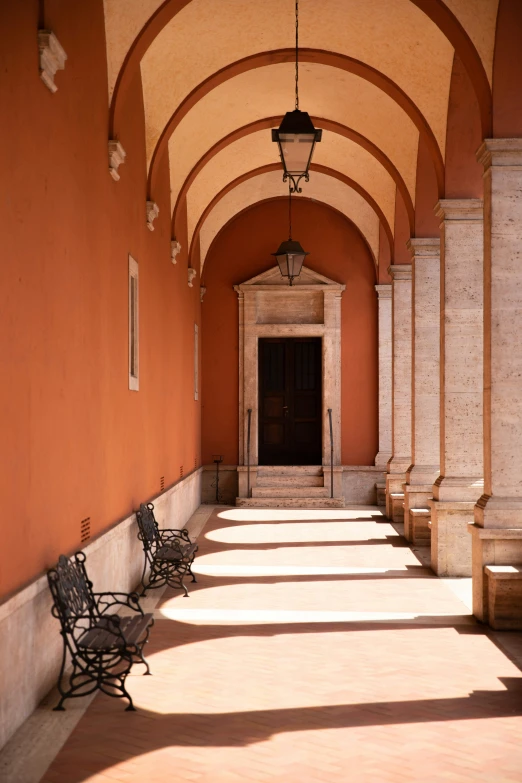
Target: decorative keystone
{"points": [[52, 58], [152, 214], [202, 292], [175, 249], [117, 156], [191, 275]]}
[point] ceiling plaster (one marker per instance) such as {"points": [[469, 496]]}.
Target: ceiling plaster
{"points": [[257, 149], [326, 92], [479, 19], [320, 188], [392, 36], [123, 22]]}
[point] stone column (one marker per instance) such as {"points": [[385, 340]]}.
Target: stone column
{"points": [[400, 461], [384, 294], [497, 531], [460, 483], [425, 410]]}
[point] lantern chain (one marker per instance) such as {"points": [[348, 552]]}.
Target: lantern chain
{"points": [[297, 54], [290, 211]]}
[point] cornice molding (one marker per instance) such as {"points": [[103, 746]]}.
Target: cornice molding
{"points": [[500, 152], [460, 209], [400, 272]]}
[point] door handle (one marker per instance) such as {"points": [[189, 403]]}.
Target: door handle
{"points": [[285, 409]]}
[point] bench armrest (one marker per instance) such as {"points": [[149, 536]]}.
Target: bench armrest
{"points": [[174, 533], [105, 601]]}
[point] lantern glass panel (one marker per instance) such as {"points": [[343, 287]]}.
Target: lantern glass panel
{"points": [[296, 150]]}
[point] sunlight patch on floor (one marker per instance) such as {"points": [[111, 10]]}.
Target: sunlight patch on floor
{"points": [[338, 531], [298, 514], [287, 570], [259, 616]]}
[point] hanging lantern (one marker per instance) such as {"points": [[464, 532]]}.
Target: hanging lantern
{"points": [[290, 255], [296, 137]]}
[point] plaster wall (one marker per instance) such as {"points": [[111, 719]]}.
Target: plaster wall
{"points": [[79, 443]]}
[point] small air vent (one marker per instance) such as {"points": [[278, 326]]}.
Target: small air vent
{"points": [[162, 484], [195, 462], [181, 471], [85, 529]]}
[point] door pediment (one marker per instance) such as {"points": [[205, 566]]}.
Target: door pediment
{"points": [[273, 278]]}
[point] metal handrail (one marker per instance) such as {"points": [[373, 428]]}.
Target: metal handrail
{"points": [[331, 452], [249, 413]]}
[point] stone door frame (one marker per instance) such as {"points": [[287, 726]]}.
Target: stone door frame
{"points": [[309, 308]]}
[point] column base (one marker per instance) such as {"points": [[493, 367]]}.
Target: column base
{"points": [[492, 546], [382, 459], [450, 541], [416, 496], [459, 488]]}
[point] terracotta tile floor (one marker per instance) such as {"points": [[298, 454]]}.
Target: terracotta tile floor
{"points": [[315, 647]]}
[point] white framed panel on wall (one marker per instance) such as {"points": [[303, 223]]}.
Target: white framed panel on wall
{"points": [[134, 323]]}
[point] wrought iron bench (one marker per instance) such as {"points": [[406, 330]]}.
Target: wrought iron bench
{"points": [[102, 645], [169, 554]]}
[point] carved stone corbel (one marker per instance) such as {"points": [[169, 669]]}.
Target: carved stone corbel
{"points": [[152, 214], [202, 292], [117, 156], [191, 275], [175, 249], [52, 57]]}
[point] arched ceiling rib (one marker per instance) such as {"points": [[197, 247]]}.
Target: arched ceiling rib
{"points": [[264, 92], [268, 185], [271, 122], [335, 152]]}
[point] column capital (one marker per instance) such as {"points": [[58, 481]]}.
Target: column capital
{"points": [[384, 291], [500, 152], [460, 209], [400, 271], [424, 247]]}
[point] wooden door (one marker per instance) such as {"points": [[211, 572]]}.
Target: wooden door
{"points": [[290, 404]]}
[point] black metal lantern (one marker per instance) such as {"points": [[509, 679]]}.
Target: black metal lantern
{"points": [[290, 255], [296, 137]]}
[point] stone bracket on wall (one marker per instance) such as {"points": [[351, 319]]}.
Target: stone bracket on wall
{"points": [[152, 214], [269, 307], [175, 249], [52, 58], [117, 156]]}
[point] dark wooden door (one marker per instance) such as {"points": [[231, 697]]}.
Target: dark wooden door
{"points": [[290, 406]]}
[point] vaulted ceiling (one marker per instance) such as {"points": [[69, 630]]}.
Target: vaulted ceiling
{"points": [[374, 74]]}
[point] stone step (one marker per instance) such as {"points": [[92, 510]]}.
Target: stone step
{"points": [[293, 502], [290, 470], [290, 481], [290, 491]]}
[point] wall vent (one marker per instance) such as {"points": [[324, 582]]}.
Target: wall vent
{"points": [[195, 462], [162, 484], [85, 529], [181, 471]]}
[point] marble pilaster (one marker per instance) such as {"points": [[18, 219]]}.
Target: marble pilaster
{"points": [[400, 461], [384, 294], [424, 470], [460, 483], [497, 530]]}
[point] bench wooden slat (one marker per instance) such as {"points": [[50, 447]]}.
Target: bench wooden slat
{"points": [[100, 638]]}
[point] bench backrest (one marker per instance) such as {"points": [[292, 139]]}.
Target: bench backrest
{"points": [[149, 532], [71, 590]]}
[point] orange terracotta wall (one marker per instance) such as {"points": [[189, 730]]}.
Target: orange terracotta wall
{"points": [[426, 194], [242, 250], [507, 71], [76, 442], [463, 173]]}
